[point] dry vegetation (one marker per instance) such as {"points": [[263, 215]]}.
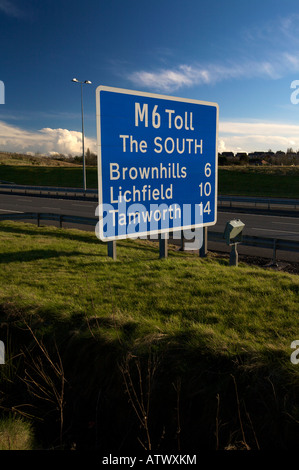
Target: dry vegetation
{"points": [[7, 158]]}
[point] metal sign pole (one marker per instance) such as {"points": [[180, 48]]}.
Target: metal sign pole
{"points": [[163, 246], [234, 257], [112, 250], [182, 241], [203, 251]]}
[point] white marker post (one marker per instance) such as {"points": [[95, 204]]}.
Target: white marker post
{"points": [[2, 353]]}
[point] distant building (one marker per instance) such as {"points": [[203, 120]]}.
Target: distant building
{"points": [[256, 155], [227, 154]]}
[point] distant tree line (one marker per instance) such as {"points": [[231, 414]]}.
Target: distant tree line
{"points": [[290, 157]]}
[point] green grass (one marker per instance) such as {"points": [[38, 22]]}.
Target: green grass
{"points": [[48, 176], [203, 320], [63, 274], [279, 182], [13, 159]]}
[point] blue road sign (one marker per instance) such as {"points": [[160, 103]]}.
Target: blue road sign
{"points": [[157, 163]]}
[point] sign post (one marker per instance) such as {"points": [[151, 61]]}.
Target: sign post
{"points": [[157, 164]]}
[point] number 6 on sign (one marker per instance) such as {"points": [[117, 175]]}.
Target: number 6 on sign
{"points": [[208, 170]]}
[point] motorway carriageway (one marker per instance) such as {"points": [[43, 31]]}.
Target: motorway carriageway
{"points": [[259, 225]]}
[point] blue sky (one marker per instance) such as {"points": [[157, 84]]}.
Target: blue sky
{"points": [[243, 55]]}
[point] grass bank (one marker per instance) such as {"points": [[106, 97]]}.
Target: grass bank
{"points": [[183, 353], [17, 159], [280, 181], [70, 177]]}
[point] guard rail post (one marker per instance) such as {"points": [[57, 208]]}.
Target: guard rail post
{"points": [[234, 256], [163, 245], [274, 262]]}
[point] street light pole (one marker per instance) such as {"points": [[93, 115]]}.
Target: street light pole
{"points": [[83, 153]]}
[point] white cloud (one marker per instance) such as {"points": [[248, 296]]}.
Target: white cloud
{"points": [[45, 141], [10, 9], [233, 136], [259, 128], [276, 51], [257, 136], [168, 80]]}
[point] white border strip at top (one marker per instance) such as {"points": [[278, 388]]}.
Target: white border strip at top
{"points": [[99, 153], [152, 95]]}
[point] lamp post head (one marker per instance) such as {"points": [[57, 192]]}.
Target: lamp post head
{"points": [[88, 82]]}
